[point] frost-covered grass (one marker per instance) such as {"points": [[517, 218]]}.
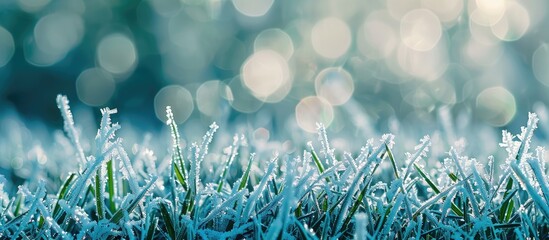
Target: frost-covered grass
{"points": [[320, 193]]}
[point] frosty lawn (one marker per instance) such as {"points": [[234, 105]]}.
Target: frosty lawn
{"points": [[318, 194]]}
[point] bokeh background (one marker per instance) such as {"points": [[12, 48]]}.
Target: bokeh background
{"points": [[278, 65]]}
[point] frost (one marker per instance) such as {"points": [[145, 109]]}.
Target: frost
{"points": [[63, 105], [440, 192]]}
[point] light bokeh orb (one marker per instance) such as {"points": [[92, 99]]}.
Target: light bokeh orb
{"points": [[32, 6], [420, 30], [377, 38], [331, 37], [209, 98], [514, 23], [56, 34], [312, 110], [95, 87], [424, 65], [7, 46], [447, 11], [540, 64], [487, 12], [253, 8], [116, 53], [241, 98], [264, 72], [496, 106], [335, 85], [180, 100], [275, 39]]}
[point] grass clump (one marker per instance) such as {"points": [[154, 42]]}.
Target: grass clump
{"points": [[374, 194]]}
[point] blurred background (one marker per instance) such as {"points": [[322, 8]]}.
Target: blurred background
{"points": [[357, 66]]}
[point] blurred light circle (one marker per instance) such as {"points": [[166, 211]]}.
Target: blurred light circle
{"points": [[425, 65], [482, 33], [420, 30], [276, 40], [311, 110], [335, 85], [95, 86], [209, 99], [261, 135], [447, 11], [7, 46], [514, 23], [496, 106], [487, 12], [253, 8], [377, 38], [176, 96], [331, 37], [57, 33], [264, 72], [540, 64], [36, 57], [32, 5], [116, 53], [398, 8], [241, 99], [480, 54]]}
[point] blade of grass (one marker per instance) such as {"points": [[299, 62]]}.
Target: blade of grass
{"points": [[540, 177], [433, 200], [392, 214], [435, 189], [230, 159], [110, 185], [176, 155], [167, 220], [246, 175], [317, 162], [18, 205], [133, 203], [152, 228], [507, 205], [355, 206], [62, 193], [99, 194], [538, 200], [392, 158]]}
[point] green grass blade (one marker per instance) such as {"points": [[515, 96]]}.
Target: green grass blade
{"points": [[506, 204], [62, 193], [152, 228], [433, 200], [167, 220], [246, 175], [110, 185], [318, 164], [133, 203], [392, 158], [435, 189], [453, 177], [98, 195], [179, 175], [177, 155], [223, 174], [427, 179], [188, 203], [18, 205], [355, 206]]}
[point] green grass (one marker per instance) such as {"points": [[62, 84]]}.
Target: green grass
{"points": [[379, 194]]}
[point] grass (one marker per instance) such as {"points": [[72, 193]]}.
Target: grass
{"points": [[371, 194]]}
